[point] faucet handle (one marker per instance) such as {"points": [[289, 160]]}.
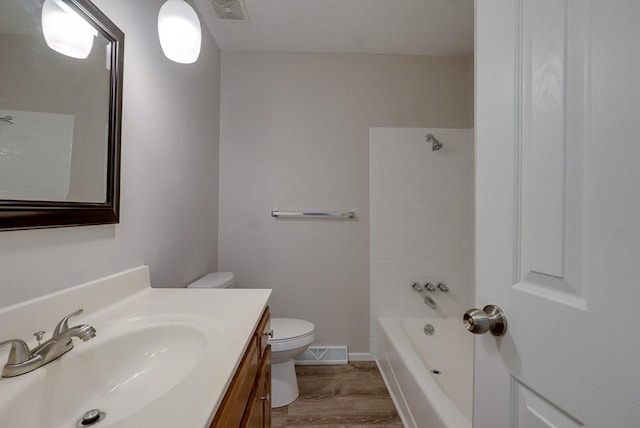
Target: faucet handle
{"points": [[429, 287], [442, 287], [20, 359], [19, 351], [63, 325]]}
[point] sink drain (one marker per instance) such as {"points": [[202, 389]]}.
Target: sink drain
{"points": [[90, 418]]}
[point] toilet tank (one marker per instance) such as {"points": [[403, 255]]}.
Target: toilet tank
{"points": [[214, 280]]}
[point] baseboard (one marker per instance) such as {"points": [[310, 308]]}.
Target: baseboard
{"points": [[361, 356], [327, 354], [323, 354]]}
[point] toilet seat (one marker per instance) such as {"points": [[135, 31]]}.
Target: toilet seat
{"points": [[290, 333], [289, 328]]}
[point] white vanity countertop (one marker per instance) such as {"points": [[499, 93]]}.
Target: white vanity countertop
{"points": [[224, 321]]}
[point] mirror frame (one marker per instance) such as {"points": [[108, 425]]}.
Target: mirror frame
{"points": [[25, 214]]}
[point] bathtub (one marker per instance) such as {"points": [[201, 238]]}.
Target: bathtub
{"points": [[430, 378]]}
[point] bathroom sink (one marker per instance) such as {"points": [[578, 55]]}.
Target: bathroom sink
{"points": [[126, 368]]}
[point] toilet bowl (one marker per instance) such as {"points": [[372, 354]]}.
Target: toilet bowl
{"points": [[291, 337]]}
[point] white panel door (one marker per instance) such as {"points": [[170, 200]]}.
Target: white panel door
{"points": [[558, 212]]}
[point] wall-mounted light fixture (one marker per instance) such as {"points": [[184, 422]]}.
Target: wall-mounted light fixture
{"points": [[65, 31], [179, 31]]}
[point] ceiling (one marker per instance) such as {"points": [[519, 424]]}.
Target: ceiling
{"points": [[419, 27]]}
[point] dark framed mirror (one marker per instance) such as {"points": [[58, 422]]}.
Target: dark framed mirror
{"points": [[60, 115]]}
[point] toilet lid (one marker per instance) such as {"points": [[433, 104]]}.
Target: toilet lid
{"points": [[214, 280], [289, 328]]}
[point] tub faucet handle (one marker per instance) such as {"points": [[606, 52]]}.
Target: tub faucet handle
{"points": [[417, 287], [429, 287], [442, 287]]}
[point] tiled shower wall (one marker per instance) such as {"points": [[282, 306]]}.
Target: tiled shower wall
{"points": [[25, 145], [421, 221]]}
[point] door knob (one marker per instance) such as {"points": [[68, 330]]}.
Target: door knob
{"points": [[489, 319]]}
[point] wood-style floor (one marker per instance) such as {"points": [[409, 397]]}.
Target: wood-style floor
{"points": [[352, 395]]}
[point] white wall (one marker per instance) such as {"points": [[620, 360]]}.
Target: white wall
{"points": [[295, 134], [169, 177], [421, 221]]}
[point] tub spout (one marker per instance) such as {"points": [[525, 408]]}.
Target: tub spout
{"points": [[428, 300]]}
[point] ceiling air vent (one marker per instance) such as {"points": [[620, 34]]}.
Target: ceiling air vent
{"points": [[230, 10]]}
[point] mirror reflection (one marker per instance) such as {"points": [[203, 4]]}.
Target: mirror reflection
{"points": [[54, 107]]}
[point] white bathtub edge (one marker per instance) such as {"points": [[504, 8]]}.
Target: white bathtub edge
{"points": [[389, 378], [445, 410]]}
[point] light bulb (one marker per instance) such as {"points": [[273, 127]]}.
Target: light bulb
{"points": [[179, 31], [65, 31]]}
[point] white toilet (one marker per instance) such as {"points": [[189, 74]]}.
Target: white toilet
{"points": [[214, 280], [291, 337]]}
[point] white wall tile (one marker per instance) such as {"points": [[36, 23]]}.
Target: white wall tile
{"points": [[35, 155], [421, 221]]}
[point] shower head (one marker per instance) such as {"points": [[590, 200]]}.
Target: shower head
{"points": [[436, 145]]}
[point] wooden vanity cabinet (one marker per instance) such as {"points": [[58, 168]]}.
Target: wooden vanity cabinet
{"points": [[247, 402], [258, 413]]}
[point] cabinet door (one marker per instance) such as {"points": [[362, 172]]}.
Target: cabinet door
{"points": [[264, 386], [238, 396], [253, 417], [258, 413]]}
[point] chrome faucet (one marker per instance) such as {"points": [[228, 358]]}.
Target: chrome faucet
{"points": [[416, 286], [428, 300], [429, 287], [442, 287], [22, 360]]}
